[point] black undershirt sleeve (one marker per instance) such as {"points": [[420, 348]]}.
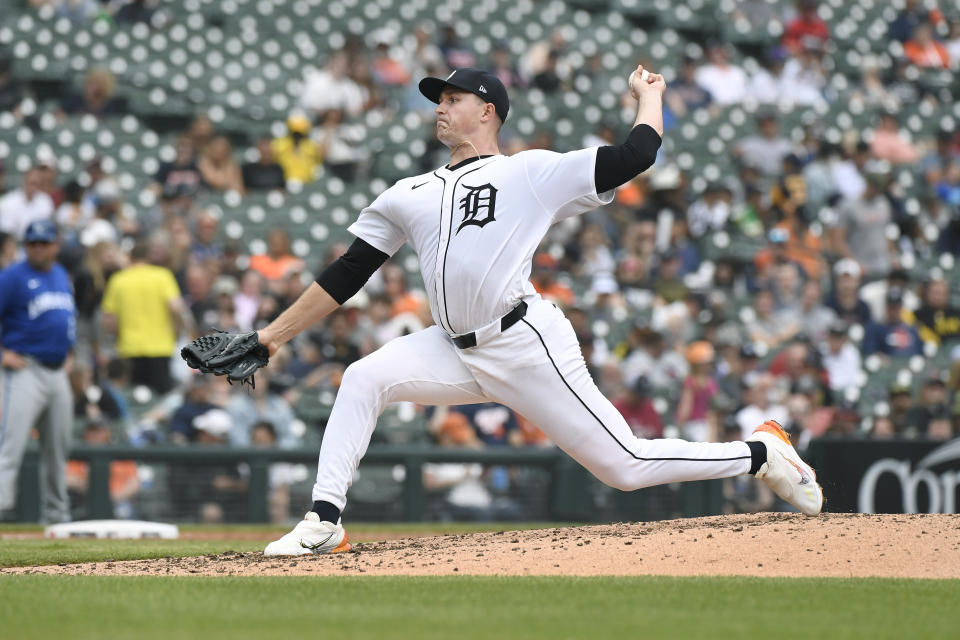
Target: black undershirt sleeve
{"points": [[618, 164], [345, 275]]}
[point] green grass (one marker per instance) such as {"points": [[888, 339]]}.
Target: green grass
{"points": [[22, 553], [476, 607], [25, 552]]}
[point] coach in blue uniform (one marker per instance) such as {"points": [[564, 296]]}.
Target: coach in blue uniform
{"points": [[37, 332]]}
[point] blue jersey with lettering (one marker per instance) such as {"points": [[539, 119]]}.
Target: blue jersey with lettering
{"points": [[37, 312]]}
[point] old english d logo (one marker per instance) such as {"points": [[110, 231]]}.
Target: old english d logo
{"points": [[478, 205]]}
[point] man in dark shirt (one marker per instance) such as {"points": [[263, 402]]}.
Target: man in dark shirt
{"points": [[265, 173]]}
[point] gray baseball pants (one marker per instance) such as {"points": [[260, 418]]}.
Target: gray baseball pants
{"points": [[36, 396]]}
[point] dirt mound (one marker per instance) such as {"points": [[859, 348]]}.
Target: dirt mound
{"points": [[768, 544]]}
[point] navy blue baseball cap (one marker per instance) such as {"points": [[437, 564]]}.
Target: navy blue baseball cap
{"points": [[41, 231], [480, 83]]}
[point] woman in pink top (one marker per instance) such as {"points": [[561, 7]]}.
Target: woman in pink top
{"points": [[698, 390]]}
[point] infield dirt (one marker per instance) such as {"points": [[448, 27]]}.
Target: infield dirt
{"points": [[767, 544]]}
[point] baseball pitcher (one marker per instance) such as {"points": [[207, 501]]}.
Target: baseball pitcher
{"points": [[475, 224]]}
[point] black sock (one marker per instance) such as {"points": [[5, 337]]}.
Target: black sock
{"points": [[758, 455], [326, 511]]}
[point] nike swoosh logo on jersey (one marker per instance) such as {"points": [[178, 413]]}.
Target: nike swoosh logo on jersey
{"points": [[314, 547], [417, 186]]}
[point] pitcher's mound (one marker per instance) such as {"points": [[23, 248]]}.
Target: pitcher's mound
{"points": [[767, 544]]}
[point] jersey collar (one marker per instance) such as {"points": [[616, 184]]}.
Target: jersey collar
{"points": [[464, 163]]}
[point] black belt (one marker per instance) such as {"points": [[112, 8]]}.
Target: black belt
{"points": [[51, 365], [468, 340]]}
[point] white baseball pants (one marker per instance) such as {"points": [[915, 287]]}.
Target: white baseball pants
{"points": [[535, 367]]}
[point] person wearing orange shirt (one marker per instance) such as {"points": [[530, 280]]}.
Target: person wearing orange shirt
{"points": [[124, 478], [923, 51], [544, 279], [277, 262]]}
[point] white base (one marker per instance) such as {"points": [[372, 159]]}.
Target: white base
{"points": [[116, 529]]}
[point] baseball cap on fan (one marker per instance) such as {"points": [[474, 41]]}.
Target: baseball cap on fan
{"points": [[480, 83]]}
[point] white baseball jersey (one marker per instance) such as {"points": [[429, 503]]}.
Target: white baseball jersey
{"points": [[476, 228]]}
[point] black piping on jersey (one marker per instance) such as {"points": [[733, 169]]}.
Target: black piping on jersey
{"points": [[436, 291], [443, 268], [600, 422]]}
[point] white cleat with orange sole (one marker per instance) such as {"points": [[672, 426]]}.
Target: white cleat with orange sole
{"points": [[311, 536], [785, 472]]}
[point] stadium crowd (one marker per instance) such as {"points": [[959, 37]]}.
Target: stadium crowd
{"points": [[687, 343]]}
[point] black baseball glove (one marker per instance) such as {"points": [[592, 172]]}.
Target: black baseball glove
{"points": [[235, 355]]}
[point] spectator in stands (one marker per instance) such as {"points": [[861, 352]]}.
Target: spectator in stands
{"points": [[845, 298], [342, 146], [455, 54], [544, 279], [296, 152], [952, 44], [890, 144], [804, 79], [22, 206], [931, 404], [947, 189], [205, 245], [503, 66], [685, 93], [807, 29], [180, 178], [769, 327], [96, 98], [108, 222], [763, 402], [331, 88], [709, 213], [336, 342], [278, 261], [425, 57], [699, 389], [264, 173], [662, 366], [142, 305], [892, 337], [201, 131], [937, 319], [402, 299], [548, 80], [135, 11], [124, 483], [265, 403], [637, 409], [860, 230], [210, 492], [766, 85], [725, 82], [75, 212], [909, 18], [11, 90], [841, 358], [198, 284], [668, 284], [847, 170], [494, 424], [922, 50], [815, 317], [217, 167], [940, 427], [388, 70], [198, 399], [281, 475], [765, 151], [937, 162]]}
